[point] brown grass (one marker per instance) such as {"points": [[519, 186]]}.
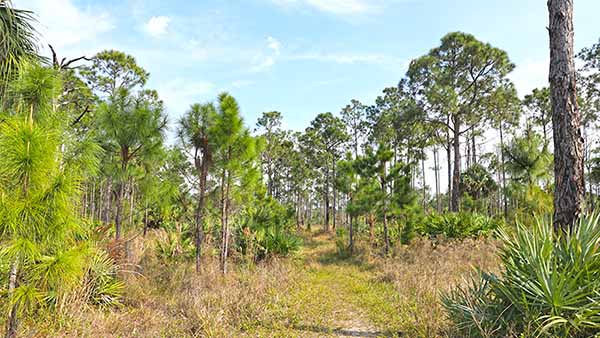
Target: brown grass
{"points": [[398, 294]]}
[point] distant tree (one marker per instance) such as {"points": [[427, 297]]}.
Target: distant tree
{"points": [[538, 104], [131, 127], [504, 112], [327, 133], [234, 153], [197, 133], [354, 116], [452, 82], [270, 124], [527, 158]]}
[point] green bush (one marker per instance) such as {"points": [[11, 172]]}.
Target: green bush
{"points": [[266, 229], [458, 225], [549, 286]]}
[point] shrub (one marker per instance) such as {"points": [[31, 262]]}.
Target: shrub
{"points": [[265, 229], [458, 225], [549, 286]]}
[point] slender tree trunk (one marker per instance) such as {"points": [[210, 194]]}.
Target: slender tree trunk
{"points": [[93, 211], [384, 211], [456, 174], [198, 217], [334, 205], [131, 200], [449, 164], [326, 211], [226, 225], [424, 187], [502, 168], [569, 191], [223, 221], [146, 219], [474, 151], [12, 322], [351, 231], [119, 212], [436, 169]]}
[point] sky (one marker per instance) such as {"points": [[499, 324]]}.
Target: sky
{"points": [[299, 57]]}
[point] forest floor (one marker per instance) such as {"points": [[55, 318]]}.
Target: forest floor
{"points": [[334, 296], [317, 292]]}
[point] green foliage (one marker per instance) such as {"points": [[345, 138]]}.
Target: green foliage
{"points": [[265, 229], [458, 225], [527, 158], [477, 182], [18, 43], [548, 287], [174, 244], [44, 241]]}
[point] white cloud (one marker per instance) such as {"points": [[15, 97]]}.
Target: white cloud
{"points": [[529, 75], [264, 61], [345, 58], [157, 25], [274, 45], [338, 7], [63, 24], [178, 94]]}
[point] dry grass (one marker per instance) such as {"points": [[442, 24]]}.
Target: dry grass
{"points": [[315, 294], [421, 271]]}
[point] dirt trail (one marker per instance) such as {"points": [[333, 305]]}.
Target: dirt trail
{"points": [[334, 297]]}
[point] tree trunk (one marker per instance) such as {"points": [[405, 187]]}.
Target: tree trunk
{"points": [[384, 210], [119, 211], [474, 150], [456, 173], [198, 233], [502, 160], [436, 170], [146, 219], [326, 211], [423, 175], [334, 204], [223, 221], [449, 164], [569, 192], [12, 322]]}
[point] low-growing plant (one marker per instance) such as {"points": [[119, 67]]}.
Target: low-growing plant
{"points": [[265, 229], [458, 225], [548, 288]]}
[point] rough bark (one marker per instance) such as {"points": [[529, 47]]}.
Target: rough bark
{"points": [[569, 192]]}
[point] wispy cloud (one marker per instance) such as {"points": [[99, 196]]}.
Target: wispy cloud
{"points": [[63, 24], [337, 7], [265, 60], [179, 93], [349, 58], [157, 26]]}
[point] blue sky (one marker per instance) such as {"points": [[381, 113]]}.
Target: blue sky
{"points": [[301, 57]]}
